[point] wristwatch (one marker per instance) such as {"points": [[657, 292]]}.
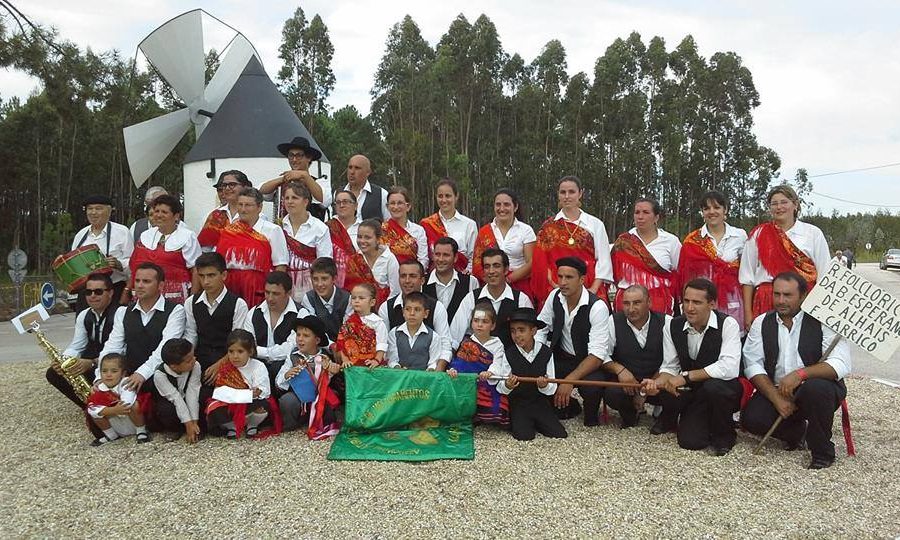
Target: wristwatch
{"points": [[684, 374]]}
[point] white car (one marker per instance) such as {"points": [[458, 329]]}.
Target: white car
{"points": [[891, 258]]}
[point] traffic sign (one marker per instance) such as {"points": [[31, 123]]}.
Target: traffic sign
{"points": [[17, 259], [17, 276], [48, 295], [868, 246]]}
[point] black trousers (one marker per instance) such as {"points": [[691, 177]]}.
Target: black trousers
{"points": [[617, 399], [703, 413], [816, 401], [166, 418], [529, 416], [565, 364]]}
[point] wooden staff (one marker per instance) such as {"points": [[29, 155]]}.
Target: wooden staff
{"points": [[777, 422], [607, 384]]}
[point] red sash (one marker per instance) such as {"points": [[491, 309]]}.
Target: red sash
{"points": [[434, 231], [229, 375], [248, 256], [484, 241], [778, 254], [356, 340], [553, 244], [400, 242], [300, 260], [633, 263], [358, 271], [699, 258], [326, 398], [177, 284], [215, 222], [491, 406], [102, 398], [342, 246]]}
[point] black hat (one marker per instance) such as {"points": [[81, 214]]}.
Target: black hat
{"points": [[98, 199], [572, 262], [303, 144], [314, 324], [527, 315]]}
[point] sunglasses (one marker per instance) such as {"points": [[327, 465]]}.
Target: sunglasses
{"points": [[94, 292], [227, 185]]}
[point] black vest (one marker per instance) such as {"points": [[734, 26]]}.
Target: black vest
{"points": [[174, 380], [581, 327], [280, 332], [371, 207], [142, 340], [507, 306], [809, 347], [94, 346], [709, 348], [395, 312], [523, 368], [460, 292], [643, 362], [212, 330], [335, 319], [140, 226]]}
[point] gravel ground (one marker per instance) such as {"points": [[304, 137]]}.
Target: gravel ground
{"points": [[601, 482]]}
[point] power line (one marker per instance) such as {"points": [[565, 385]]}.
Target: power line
{"points": [[854, 170], [854, 202]]}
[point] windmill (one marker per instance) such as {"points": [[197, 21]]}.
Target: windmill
{"points": [[239, 117]]}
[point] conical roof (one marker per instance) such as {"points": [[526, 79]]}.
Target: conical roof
{"points": [[252, 121]]}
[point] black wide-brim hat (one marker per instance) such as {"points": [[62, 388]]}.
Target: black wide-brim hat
{"points": [[526, 315], [303, 144], [317, 327]]}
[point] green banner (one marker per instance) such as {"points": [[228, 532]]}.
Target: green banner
{"points": [[406, 415]]}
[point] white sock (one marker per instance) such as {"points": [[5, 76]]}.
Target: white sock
{"points": [[229, 426], [111, 434], [256, 418], [141, 429]]}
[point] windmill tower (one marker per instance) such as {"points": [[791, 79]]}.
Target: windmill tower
{"points": [[239, 118]]}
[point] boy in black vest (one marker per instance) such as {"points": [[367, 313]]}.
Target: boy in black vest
{"points": [[577, 332], [796, 384], [701, 350], [530, 408], [179, 394], [413, 345], [636, 342], [212, 314], [444, 282], [143, 326], [329, 303]]}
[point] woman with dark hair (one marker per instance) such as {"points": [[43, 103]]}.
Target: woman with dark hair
{"points": [[343, 227], [229, 185], [648, 256], [170, 245], [374, 263], [307, 237], [449, 222], [406, 239], [714, 252], [784, 244], [571, 233], [508, 233]]}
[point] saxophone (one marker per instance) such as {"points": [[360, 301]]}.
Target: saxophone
{"points": [[61, 364]]}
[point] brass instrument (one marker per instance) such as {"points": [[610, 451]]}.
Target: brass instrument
{"points": [[61, 364]]}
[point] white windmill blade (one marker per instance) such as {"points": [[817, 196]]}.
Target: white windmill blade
{"points": [[147, 144], [176, 50], [240, 51]]}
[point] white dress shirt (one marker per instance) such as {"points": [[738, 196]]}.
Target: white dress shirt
{"points": [[182, 239], [231, 217], [598, 337], [361, 198], [190, 324], [665, 249], [727, 367], [373, 321], [593, 225], [461, 322], [640, 334], [514, 242], [808, 238], [312, 233], [497, 350], [732, 244], [464, 230], [444, 291], [386, 270], [257, 376], [504, 370], [185, 396], [441, 324], [121, 245], [116, 343], [276, 240], [434, 348], [788, 356], [80, 338], [275, 352]]}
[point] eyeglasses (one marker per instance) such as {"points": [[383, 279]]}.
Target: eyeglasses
{"points": [[775, 204], [296, 155], [94, 292], [343, 202], [227, 185]]}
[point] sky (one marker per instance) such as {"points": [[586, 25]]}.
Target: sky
{"points": [[827, 72]]}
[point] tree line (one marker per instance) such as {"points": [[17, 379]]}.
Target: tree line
{"points": [[650, 120]]}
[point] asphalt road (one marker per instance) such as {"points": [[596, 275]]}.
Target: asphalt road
{"points": [[17, 348]]}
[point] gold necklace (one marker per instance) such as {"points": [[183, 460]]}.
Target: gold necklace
{"points": [[571, 240]]}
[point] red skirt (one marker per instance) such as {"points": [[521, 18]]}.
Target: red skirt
{"points": [[661, 300], [248, 284], [763, 301]]}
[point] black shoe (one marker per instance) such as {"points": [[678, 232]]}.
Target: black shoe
{"points": [[790, 446], [144, 437], [100, 441], [720, 451], [628, 421], [820, 463], [659, 427], [591, 420]]}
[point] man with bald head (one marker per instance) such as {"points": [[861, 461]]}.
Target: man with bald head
{"points": [[371, 198]]}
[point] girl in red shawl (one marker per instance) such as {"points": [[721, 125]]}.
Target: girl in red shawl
{"points": [[228, 187], [781, 245], [405, 238], [714, 251], [307, 237], [571, 233], [647, 255], [373, 264], [172, 246], [508, 233], [448, 222], [343, 232]]}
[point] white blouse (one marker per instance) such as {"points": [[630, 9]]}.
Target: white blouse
{"points": [[386, 270], [808, 238], [732, 244], [183, 239], [312, 233], [418, 232], [464, 230], [514, 241], [665, 248], [593, 225]]}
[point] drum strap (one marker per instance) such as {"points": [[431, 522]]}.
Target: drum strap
{"points": [[108, 237]]}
